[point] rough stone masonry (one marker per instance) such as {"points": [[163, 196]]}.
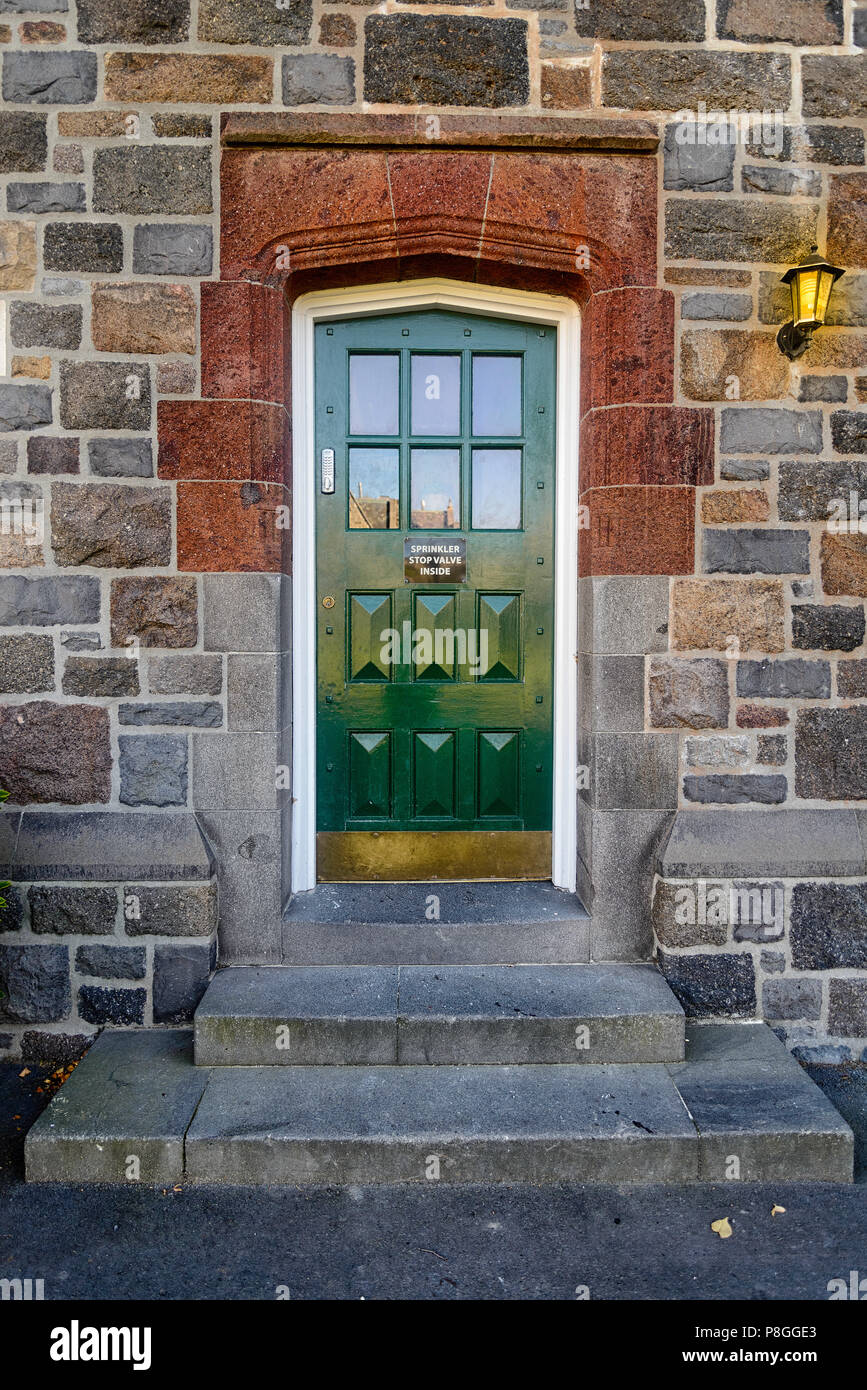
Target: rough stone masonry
{"points": [[726, 669]]}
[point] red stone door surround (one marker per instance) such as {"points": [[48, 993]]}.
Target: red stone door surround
{"points": [[561, 206]]}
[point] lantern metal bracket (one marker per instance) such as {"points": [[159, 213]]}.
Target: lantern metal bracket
{"points": [[793, 342]]}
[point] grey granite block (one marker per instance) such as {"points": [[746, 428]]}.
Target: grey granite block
{"points": [[763, 843], [242, 612], [110, 845]]}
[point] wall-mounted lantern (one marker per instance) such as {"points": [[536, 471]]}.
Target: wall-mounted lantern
{"points": [[810, 284]]}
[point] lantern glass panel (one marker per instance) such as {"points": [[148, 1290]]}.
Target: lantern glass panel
{"points": [[807, 281], [826, 280]]}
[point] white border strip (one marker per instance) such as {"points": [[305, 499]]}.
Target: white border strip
{"points": [[477, 299]]}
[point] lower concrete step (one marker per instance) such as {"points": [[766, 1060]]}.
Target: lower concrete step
{"points": [[137, 1109], [414, 1015], [435, 924]]}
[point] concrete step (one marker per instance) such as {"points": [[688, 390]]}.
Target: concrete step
{"points": [[435, 924], [447, 1015], [738, 1096]]}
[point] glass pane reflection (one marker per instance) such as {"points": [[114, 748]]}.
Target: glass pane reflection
{"points": [[436, 394], [373, 393], [496, 489], [436, 488], [496, 395], [374, 489]]}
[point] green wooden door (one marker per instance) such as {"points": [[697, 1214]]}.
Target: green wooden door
{"points": [[435, 596]]}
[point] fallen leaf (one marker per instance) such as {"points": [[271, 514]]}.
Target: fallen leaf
{"points": [[25, 1072], [722, 1228], [776, 1210]]}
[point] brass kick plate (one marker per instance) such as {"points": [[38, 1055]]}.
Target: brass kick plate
{"points": [[390, 856]]}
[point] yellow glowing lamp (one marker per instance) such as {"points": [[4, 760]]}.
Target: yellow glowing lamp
{"points": [[810, 285]]}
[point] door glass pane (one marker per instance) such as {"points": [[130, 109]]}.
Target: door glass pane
{"points": [[496, 489], [374, 489], [373, 393], [496, 395], [436, 488], [436, 394]]}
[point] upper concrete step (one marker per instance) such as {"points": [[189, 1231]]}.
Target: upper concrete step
{"points": [[380, 1015], [435, 924], [738, 1096]]}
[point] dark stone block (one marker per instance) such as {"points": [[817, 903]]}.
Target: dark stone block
{"points": [[105, 677], [807, 24], [153, 770], [23, 143], [176, 125], [737, 231], [46, 454], [44, 602], [190, 910], [667, 79], [72, 911], [852, 680], [94, 846], [39, 198], [792, 999], [323, 79], [847, 1008], [711, 985], [828, 928], [155, 611], [830, 144], [811, 491], [760, 551], [673, 21], [784, 679], [26, 664], [108, 524], [121, 458], [744, 470], [133, 21], [172, 248], [153, 178], [448, 60], [101, 396], [257, 22], [12, 912], [199, 714], [767, 430], [118, 1006], [112, 962], [24, 407], [835, 628], [823, 388], [849, 431], [831, 753], [181, 975], [773, 749], [835, 87], [714, 304], [90, 247], [43, 325], [781, 182], [730, 788], [55, 753], [34, 983], [55, 79], [53, 1049]]}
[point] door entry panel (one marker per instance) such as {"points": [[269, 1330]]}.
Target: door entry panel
{"points": [[435, 613]]}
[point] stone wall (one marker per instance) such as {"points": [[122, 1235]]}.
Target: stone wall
{"points": [[141, 636]]}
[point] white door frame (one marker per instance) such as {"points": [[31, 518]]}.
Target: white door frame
{"points": [[476, 299]]}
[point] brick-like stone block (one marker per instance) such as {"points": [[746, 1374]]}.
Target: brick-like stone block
{"points": [[47, 454], [181, 975], [724, 750], [628, 353], [693, 167], [811, 491], [644, 444], [828, 929], [40, 198], [852, 680], [26, 664], [17, 253], [104, 677], [176, 378], [197, 714], [54, 752], [680, 21], [135, 21], [23, 142], [783, 999], [44, 325], [57, 910], [761, 717], [53, 1049], [155, 611], [667, 79], [835, 87], [150, 318], [448, 60], [337, 31], [823, 388], [734, 789], [34, 983], [68, 159], [172, 248], [711, 985], [711, 358], [831, 753], [832, 628], [686, 693], [806, 24], [714, 304], [676, 920], [111, 962], [733, 505], [110, 525], [24, 407], [120, 458], [153, 178], [756, 552], [799, 183], [230, 526], [639, 530], [244, 341], [844, 564], [56, 79], [320, 79], [738, 230], [764, 430], [171, 910], [255, 22], [708, 613], [122, 1007], [847, 219], [153, 770], [92, 247], [227, 78], [849, 431], [105, 395], [847, 1008], [44, 602], [566, 87], [789, 679], [185, 675], [181, 125], [772, 750]]}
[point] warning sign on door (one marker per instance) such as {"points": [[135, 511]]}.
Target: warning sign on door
{"points": [[435, 562]]}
